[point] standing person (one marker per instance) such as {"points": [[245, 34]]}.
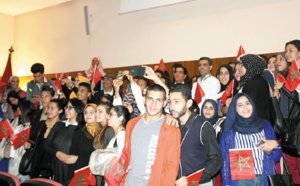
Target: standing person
{"points": [[244, 130], [35, 86], [254, 85], [199, 146], [13, 84], [209, 112], [181, 76], [40, 166], [84, 92], [13, 99], [82, 142], [106, 132], [209, 84], [153, 147], [20, 123], [60, 139]]}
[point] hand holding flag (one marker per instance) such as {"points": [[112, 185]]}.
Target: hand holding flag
{"points": [[240, 52], [293, 77], [162, 66], [228, 92]]}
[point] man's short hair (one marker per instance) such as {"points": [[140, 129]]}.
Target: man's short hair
{"points": [[208, 59], [37, 67], [157, 88], [183, 89], [86, 85]]}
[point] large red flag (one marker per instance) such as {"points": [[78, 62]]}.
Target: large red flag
{"points": [[20, 138], [96, 75], [293, 77], [57, 83], [199, 94], [5, 129], [240, 52], [162, 66], [241, 164], [8, 70], [83, 176], [228, 92]]}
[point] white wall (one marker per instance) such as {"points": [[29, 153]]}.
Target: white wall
{"points": [[6, 38], [56, 36]]}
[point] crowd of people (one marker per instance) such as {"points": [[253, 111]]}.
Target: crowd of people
{"points": [[167, 131]]}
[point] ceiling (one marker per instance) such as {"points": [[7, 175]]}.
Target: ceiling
{"points": [[15, 7]]}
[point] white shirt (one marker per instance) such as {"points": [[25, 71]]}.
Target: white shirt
{"points": [[210, 86]]}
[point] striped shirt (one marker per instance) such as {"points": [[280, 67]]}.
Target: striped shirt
{"points": [[249, 141]]}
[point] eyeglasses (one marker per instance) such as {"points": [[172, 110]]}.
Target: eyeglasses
{"points": [[68, 107]]}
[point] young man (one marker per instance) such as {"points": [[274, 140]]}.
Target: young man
{"points": [[153, 146], [84, 92], [199, 146], [209, 84], [35, 86]]}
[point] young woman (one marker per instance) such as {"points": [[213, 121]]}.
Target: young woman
{"points": [[20, 123], [209, 111], [118, 118], [13, 99], [82, 142], [47, 95], [225, 75], [41, 166], [243, 129], [60, 138], [106, 133]]}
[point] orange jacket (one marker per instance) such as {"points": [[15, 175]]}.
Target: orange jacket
{"points": [[165, 168]]}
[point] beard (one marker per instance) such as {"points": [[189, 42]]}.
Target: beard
{"points": [[178, 114]]}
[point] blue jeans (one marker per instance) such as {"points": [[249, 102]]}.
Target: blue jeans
{"points": [[259, 181]]}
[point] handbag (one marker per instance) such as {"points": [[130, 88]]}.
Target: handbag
{"points": [[115, 175], [278, 121], [276, 117], [283, 179], [26, 160], [100, 159]]}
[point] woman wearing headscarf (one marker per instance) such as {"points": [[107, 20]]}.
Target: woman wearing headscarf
{"points": [[224, 75], [209, 112], [243, 129], [13, 84], [13, 99], [254, 85]]}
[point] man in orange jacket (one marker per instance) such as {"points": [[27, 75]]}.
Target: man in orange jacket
{"points": [[153, 146]]}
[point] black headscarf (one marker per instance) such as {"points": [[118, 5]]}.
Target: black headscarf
{"points": [[254, 65], [215, 117], [250, 125], [230, 71], [13, 94]]}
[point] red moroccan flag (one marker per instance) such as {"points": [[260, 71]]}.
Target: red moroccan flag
{"points": [[162, 66], [20, 138], [280, 78], [199, 94], [5, 129], [83, 176], [228, 92], [241, 164], [293, 77], [240, 52], [8, 70], [194, 179], [57, 83], [96, 75]]}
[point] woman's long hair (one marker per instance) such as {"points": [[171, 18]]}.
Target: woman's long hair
{"points": [[99, 141]]}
